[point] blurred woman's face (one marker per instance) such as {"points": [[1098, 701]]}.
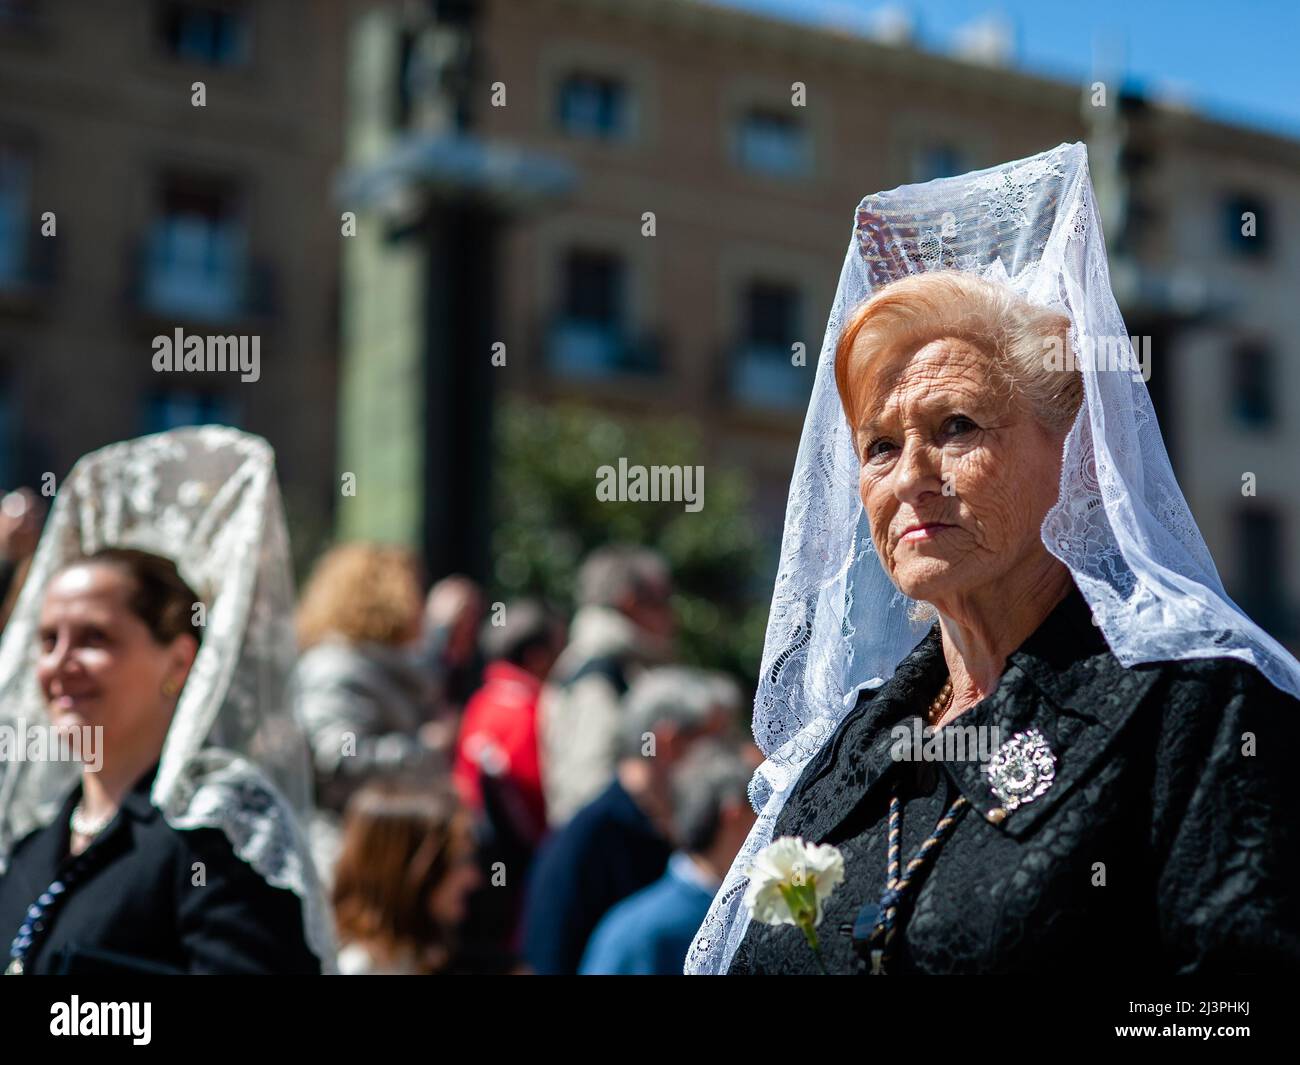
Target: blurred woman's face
{"points": [[449, 901], [99, 665], [955, 476]]}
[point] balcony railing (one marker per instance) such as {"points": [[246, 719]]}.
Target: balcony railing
{"points": [[594, 350], [763, 376], [223, 287]]}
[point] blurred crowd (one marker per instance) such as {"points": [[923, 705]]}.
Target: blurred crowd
{"points": [[501, 788], [504, 790]]}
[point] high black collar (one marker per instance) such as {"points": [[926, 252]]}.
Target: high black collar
{"points": [[44, 854], [1064, 639], [136, 801], [1063, 681]]}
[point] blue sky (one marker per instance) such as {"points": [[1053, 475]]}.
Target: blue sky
{"points": [[1235, 60]]}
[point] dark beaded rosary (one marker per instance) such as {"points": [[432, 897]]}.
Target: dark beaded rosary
{"points": [[876, 925]]}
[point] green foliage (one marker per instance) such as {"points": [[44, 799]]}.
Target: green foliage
{"points": [[548, 518]]}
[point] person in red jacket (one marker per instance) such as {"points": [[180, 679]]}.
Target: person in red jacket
{"points": [[496, 767], [496, 770]]}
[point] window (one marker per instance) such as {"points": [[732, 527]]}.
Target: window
{"points": [[1253, 386], [196, 261], [592, 105], [772, 143], [210, 34], [1247, 227], [593, 287], [592, 335], [772, 315], [15, 205], [765, 374], [588, 335], [939, 161], [1259, 568], [174, 408]]}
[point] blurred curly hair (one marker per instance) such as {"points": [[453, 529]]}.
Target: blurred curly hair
{"points": [[363, 593]]}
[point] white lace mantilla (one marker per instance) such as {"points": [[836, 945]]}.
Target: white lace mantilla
{"points": [[1120, 524], [235, 757]]}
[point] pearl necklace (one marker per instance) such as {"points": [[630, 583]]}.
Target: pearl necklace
{"points": [[85, 826], [939, 706]]}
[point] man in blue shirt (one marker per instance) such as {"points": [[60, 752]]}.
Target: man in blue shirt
{"points": [[619, 842], [648, 933]]}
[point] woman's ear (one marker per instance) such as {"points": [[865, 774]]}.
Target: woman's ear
{"points": [[182, 652]]}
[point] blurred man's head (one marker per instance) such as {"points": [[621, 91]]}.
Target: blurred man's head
{"points": [[529, 636], [711, 811], [455, 605], [635, 581], [669, 709], [22, 513]]}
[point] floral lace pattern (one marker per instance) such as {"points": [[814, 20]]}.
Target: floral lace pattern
{"points": [[1120, 524]]}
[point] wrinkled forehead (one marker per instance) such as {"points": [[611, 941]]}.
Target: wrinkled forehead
{"points": [[912, 373]]}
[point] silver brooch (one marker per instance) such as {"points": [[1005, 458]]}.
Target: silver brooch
{"points": [[1022, 769]]}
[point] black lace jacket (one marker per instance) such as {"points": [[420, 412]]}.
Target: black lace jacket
{"points": [[1167, 841]]}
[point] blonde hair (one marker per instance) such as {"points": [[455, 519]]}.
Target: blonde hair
{"points": [[365, 593], [915, 310]]}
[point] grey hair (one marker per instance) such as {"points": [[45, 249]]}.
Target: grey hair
{"points": [[676, 695], [1017, 334], [708, 778], [528, 623], [610, 574], [727, 694]]}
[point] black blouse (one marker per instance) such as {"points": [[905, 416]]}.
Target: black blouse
{"points": [[148, 897], [1166, 842]]}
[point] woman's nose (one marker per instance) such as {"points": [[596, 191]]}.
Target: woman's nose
{"points": [[56, 659], [916, 471]]}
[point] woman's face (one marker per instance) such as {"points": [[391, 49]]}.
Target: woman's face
{"points": [[956, 477], [98, 664]]}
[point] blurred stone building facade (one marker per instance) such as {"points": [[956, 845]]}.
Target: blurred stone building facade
{"points": [[572, 119], [214, 219], [685, 109]]}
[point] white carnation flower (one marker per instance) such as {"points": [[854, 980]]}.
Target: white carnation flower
{"points": [[790, 879]]}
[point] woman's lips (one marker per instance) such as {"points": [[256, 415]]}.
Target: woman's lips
{"points": [[924, 532], [70, 702]]}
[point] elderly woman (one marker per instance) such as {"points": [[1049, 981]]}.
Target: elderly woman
{"points": [[1100, 814]]}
